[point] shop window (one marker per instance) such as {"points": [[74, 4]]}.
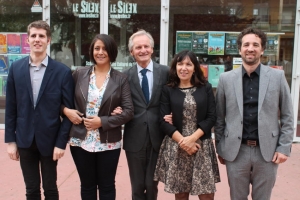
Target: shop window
{"points": [[127, 17], [74, 24]]}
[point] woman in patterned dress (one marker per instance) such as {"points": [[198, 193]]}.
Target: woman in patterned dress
{"points": [[95, 137], [187, 161]]}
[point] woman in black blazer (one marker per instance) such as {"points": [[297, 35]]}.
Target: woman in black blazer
{"points": [[187, 161]]}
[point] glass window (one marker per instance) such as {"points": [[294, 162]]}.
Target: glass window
{"points": [[74, 23], [127, 17], [15, 16], [273, 17]]}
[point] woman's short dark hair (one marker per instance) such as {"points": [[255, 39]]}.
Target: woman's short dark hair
{"points": [[110, 46], [197, 79], [255, 31]]}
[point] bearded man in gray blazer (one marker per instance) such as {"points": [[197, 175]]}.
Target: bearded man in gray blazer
{"points": [[142, 136], [254, 128]]}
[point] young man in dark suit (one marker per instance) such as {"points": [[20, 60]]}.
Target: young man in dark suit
{"points": [[34, 131], [142, 136]]}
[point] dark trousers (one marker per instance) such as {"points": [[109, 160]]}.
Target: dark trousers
{"points": [[141, 166], [32, 162], [96, 170]]}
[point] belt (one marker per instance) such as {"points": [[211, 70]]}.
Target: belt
{"points": [[253, 143]]}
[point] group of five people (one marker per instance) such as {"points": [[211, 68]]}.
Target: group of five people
{"points": [[168, 115]]}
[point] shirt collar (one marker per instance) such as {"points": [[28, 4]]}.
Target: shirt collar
{"points": [[149, 66], [257, 70], [44, 62]]}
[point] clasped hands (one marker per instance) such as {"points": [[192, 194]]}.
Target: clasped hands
{"points": [[189, 145], [90, 122]]}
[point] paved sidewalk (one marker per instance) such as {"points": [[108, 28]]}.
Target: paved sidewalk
{"points": [[12, 187]]}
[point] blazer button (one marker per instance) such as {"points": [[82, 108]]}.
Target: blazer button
{"points": [[145, 123], [239, 138]]}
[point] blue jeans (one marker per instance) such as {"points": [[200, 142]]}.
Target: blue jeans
{"points": [[32, 162], [96, 170]]}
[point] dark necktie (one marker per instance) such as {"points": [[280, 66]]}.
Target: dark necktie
{"points": [[145, 85]]}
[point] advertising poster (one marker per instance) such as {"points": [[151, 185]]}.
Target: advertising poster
{"points": [[204, 69], [200, 42], [3, 43], [272, 45], [214, 72], [231, 47], [3, 64], [216, 43], [236, 62], [184, 41], [13, 43], [13, 58], [25, 46]]}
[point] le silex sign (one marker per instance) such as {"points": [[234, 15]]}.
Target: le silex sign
{"points": [[86, 9], [122, 10]]}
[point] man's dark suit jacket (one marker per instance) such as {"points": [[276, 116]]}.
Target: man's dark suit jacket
{"points": [[146, 116], [172, 101], [23, 122]]}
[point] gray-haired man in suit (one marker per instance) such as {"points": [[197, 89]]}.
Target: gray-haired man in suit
{"points": [[142, 136], [251, 139]]}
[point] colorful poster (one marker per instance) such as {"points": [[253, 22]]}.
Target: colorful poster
{"points": [[214, 72], [216, 43], [184, 41], [271, 45], [231, 47], [24, 45], [12, 58], [200, 42], [3, 43], [13, 43], [204, 69], [3, 64]]}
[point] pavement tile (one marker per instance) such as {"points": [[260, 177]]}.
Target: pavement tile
{"points": [[13, 188]]}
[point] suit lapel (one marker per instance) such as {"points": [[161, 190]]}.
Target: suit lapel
{"points": [[110, 88], [47, 75], [84, 83], [263, 85], [238, 88], [136, 82], [156, 79], [26, 73]]}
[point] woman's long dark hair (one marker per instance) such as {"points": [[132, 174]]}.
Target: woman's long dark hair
{"points": [[197, 79]]}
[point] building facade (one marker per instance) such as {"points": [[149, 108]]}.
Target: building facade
{"points": [[209, 28]]}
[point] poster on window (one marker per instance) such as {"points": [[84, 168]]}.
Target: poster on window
{"points": [[24, 44], [13, 58], [200, 42], [184, 41], [271, 45], [214, 72], [3, 64], [216, 43], [13, 43], [3, 43], [231, 47]]}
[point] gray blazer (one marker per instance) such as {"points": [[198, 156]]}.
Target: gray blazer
{"points": [[275, 133], [146, 117]]}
